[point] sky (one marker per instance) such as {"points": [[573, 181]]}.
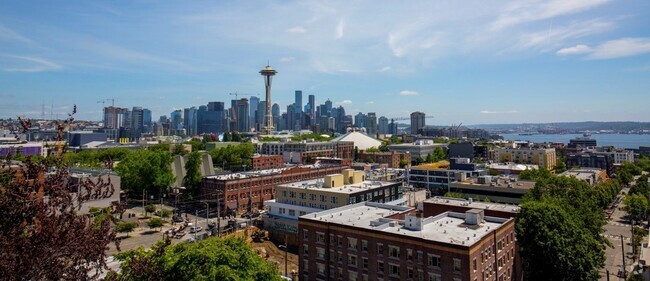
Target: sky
{"points": [[470, 62]]}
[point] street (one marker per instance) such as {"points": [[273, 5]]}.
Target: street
{"points": [[616, 228]]}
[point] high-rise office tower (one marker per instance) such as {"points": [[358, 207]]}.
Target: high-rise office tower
{"points": [[382, 125], [371, 124], [259, 116], [241, 115], [275, 113], [146, 119], [268, 72], [297, 111], [113, 117], [137, 122], [291, 117], [177, 122], [254, 107], [360, 120], [312, 109], [417, 122], [328, 107], [189, 120]]}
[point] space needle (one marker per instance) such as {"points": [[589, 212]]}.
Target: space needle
{"points": [[268, 72]]}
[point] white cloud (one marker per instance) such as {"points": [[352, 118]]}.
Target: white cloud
{"points": [[339, 29], [534, 10], [34, 64], [575, 50], [408, 93], [498, 112], [384, 69], [624, 47], [343, 102], [370, 102], [10, 35], [297, 29], [287, 59], [555, 36]]}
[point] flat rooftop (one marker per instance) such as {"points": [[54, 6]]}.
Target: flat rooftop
{"points": [[260, 173], [317, 184], [440, 165], [582, 174], [498, 182], [448, 227], [474, 205]]}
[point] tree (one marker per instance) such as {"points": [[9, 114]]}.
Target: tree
{"points": [[196, 144], [146, 170], [233, 156], [560, 167], [126, 227], [383, 147], [227, 137], [372, 150], [209, 259], [636, 205], [155, 223], [163, 213], [149, 209], [419, 160], [439, 154], [179, 149], [356, 153], [403, 163], [555, 245], [236, 136], [193, 176], [42, 234], [454, 194]]}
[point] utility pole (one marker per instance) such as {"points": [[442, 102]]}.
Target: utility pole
{"points": [[196, 223], [286, 263], [207, 213], [218, 215]]}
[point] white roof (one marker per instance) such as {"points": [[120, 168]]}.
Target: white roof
{"points": [[361, 140]]}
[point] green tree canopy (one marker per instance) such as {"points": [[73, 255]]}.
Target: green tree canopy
{"points": [[155, 223], [372, 150], [209, 259], [554, 243], [196, 144], [233, 156], [146, 170], [193, 177], [126, 227], [636, 205]]}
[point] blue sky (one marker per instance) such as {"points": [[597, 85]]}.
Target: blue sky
{"points": [[473, 62]]}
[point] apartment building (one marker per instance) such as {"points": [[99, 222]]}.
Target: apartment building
{"points": [[247, 191], [263, 162], [296, 199], [374, 241], [543, 157]]}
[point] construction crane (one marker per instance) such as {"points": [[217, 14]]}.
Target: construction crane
{"points": [[236, 94], [105, 100]]}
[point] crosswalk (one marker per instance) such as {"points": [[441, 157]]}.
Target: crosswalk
{"points": [[615, 237], [618, 224]]}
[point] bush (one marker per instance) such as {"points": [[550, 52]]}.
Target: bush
{"points": [[126, 227], [164, 213], [155, 223], [150, 208]]}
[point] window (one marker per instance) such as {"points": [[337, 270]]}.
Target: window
{"points": [[393, 269], [305, 234], [332, 239], [292, 213], [283, 211], [364, 245], [409, 254], [420, 275], [352, 260], [352, 276], [420, 256], [456, 265], [334, 200], [312, 197], [434, 277], [305, 249], [380, 249], [303, 195], [393, 252], [364, 262], [434, 260], [323, 198], [352, 200], [340, 241], [380, 266], [352, 243], [302, 213], [320, 253], [474, 264], [320, 269], [305, 265], [320, 237], [410, 273]]}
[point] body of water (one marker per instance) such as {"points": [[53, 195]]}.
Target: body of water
{"points": [[616, 140]]}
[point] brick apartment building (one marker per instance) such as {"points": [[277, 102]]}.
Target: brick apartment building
{"points": [[263, 162], [247, 191], [374, 241], [338, 149], [392, 159]]}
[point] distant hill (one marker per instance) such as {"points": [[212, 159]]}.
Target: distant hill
{"points": [[577, 126]]}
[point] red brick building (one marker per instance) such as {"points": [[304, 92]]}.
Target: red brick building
{"points": [[263, 162], [247, 191], [438, 205], [373, 241]]}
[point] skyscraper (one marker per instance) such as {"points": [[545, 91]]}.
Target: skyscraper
{"points": [[275, 113], [297, 111], [312, 109], [371, 124], [382, 127], [328, 107], [259, 116], [137, 122], [189, 120], [360, 120], [113, 117], [177, 122], [241, 115], [146, 119], [254, 107], [417, 122]]}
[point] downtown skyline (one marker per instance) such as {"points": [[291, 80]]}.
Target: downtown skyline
{"points": [[509, 62]]}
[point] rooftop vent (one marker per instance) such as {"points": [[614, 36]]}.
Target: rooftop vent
{"points": [[474, 217]]}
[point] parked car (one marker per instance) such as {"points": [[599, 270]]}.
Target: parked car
{"points": [[195, 229], [178, 219]]}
